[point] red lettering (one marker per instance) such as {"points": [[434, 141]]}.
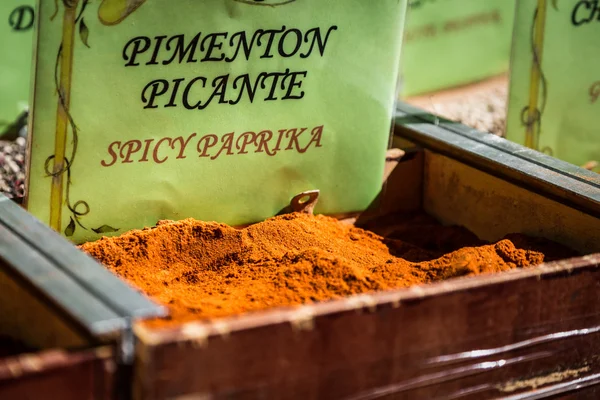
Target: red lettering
{"points": [[146, 149], [261, 142], [132, 146], [155, 152], [316, 134], [246, 138], [183, 144], [227, 140], [294, 139], [112, 153], [209, 141], [278, 145]]}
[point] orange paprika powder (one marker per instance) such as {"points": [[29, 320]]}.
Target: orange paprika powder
{"points": [[205, 270]]}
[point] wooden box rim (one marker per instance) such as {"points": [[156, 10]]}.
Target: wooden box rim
{"points": [[301, 316]]}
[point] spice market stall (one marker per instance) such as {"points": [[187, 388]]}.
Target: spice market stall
{"points": [[469, 271]]}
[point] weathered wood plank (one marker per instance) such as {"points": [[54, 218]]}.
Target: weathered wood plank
{"points": [[81, 268], [59, 375], [491, 207], [553, 178], [441, 338], [29, 280]]}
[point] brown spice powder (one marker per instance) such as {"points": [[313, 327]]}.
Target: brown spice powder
{"points": [[204, 270]]}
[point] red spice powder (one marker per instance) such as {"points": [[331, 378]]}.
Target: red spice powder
{"points": [[204, 270]]}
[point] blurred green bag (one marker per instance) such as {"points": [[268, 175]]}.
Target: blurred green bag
{"points": [[455, 42], [16, 42], [555, 79]]}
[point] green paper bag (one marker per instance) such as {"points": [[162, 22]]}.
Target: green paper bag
{"points": [[450, 43], [555, 80], [216, 109], [16, 41]]}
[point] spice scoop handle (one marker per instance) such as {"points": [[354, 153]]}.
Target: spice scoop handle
{"points": [[302, 202], [305, 202]]}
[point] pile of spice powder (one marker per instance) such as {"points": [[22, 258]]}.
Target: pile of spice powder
{"points": [[203, 270]]}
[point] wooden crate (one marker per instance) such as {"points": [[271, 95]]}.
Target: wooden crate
{"points": [[523, 334], [57, 374], [55, 298], [520, 334]]}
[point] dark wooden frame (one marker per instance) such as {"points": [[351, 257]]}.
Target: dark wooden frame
{"points": [[424, 342], [56, 374]]}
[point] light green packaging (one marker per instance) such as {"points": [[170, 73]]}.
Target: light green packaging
{"points": [[555, 79], [450, 43], [16, 41], [216, 109]]}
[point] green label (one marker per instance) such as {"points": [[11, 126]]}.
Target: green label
{"points": [[455, 42], [16, 41], [554, 104], [217, 109]]}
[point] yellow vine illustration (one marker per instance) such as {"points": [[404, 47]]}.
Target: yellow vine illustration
{"points": [[110, 12]]}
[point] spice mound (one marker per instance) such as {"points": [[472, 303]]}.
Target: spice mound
{"points": [[204, 270]]}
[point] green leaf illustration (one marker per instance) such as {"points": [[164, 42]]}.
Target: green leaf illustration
{"points": [[84, 32], [105, 229], [70, 229]]}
